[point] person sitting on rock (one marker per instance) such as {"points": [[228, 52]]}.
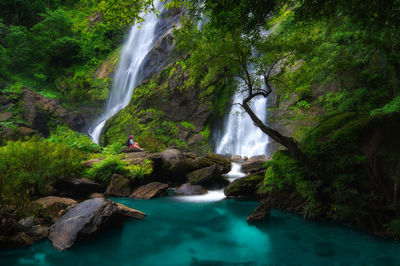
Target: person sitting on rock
{"points": [[132, 144]]}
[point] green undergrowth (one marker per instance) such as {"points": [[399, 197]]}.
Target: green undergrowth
{"points": [[28, 168], [55, 49], [357, 150], [102, 171], [73, 139]]}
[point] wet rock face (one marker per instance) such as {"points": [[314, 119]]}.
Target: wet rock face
{"points": [[150, 191], [160, 55], [39, 110], [87, 219]]}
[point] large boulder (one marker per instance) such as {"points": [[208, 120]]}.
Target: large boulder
{"points": [[119, 186], [189, 189], [172, 156], [254, 164], [209, 177], [151, 190], [85, 220], [212, 158], [245, 186], [54, 207], [261, 213], [78, 188], [171, 166]]}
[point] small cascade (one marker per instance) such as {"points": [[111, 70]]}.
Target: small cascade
{"points": [[215, 195], [235, 173], [140, 41]]}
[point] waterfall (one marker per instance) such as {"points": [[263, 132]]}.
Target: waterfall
{"points": [[240, 136], [140, 41]]}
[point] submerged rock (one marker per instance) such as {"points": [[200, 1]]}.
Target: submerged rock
{"points": [[119, 186], [151, 190], [85, 220], [260, 214], [129, 212], [189, 189]]}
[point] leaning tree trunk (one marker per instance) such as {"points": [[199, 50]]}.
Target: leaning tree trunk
{"points": [[289, 143]]}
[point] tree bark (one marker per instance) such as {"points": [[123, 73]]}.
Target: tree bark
{"points": [[289, 143]]}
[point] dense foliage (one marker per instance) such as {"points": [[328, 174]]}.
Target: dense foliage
{"points": [[51, 45], [73, 139], [102, 172], [28, 168]]}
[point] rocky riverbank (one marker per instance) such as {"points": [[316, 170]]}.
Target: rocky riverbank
{"points": [[77, 208]]}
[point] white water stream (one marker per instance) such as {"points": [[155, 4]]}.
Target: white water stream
{"points": [[240, 136], [140, 41]]}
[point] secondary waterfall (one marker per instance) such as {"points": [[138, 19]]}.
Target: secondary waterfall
{"points": [[240, 136], [140, 41]]}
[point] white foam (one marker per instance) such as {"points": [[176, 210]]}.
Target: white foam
{"points": [[235, 173], [210, 196]]}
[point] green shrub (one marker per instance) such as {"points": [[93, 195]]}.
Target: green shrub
{"points": [[28, 168], [73, 139], [101, 172], [113, 149], [393, 227], [393, 106]]}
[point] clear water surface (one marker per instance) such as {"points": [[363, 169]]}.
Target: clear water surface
{"points": [[214, 233]]}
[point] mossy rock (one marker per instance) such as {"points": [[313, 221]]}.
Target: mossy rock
{"points": [[212, 158], [209, 177], [245, 186]]}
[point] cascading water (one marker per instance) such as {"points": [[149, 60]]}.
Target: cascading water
{"points": [[240, 136], [140, 41]]}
